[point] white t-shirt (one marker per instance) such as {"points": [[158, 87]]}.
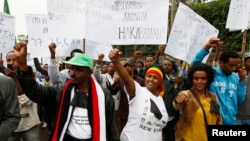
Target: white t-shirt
{"points": [[79, 126], [142, 125]]}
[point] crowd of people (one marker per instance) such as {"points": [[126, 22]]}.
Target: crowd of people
{"points": [[123, 100]]}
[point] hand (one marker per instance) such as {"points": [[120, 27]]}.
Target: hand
{"points": [[242, 72], [213, 42], [181, 97], [114, 55], [161, 49], [100, 58], [137, 54], [20, 50], [11, 73], [220, 46], [52, 49]]}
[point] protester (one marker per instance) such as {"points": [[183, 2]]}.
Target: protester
{"points": [[199, 106], [28, 129], [147, 113], [109, 80], [55, 76], [9, 109], [104, 68], [171, 80], [85, 110], [243, 114], [123, 109], [140, 69], [228, 86]]}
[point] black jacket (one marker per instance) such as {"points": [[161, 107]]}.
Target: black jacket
{"points": [[52, 94]]}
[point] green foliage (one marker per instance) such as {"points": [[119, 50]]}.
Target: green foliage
{"points": [[216, 13]]}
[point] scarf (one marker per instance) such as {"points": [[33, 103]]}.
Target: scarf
{"points": [[98, 112]]}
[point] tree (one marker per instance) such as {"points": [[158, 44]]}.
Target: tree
{"points": [[216, 13]]}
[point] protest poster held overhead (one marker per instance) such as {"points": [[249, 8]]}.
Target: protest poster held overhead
{"points": [[238, 15], [38, 30], [7, 32], [189, 34], [140, 22]]}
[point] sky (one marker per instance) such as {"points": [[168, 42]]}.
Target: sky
{"points": [[18, 9]]}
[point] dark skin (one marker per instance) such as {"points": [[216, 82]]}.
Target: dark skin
{"points": [[79, 75], [152, 81], [230, 66]]}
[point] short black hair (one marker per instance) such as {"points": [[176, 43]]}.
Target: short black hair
{"points": [[225, 55], [198, 66], [175, 67], [9, 53], [140, 62], [74, 51]]}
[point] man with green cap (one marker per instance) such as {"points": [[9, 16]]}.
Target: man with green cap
{"points": [[85, 111]]}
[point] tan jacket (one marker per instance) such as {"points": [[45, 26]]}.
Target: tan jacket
{"points": [[189, 109]]}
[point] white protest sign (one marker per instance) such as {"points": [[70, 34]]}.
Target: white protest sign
{"points": [[38, 35], [65, 45], [99, 27], [140, 22], [238, 15], [93, 49], [189, 34], [39, 38], [7, 33], [67, 17]]}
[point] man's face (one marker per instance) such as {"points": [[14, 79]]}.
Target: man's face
{"points": [[149, 61], [111, 68], [79, 74], [104, 69], [230, 66], [247, 64], [11, 59], [168, 66]]}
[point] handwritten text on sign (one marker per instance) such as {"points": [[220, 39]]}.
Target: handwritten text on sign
{"points": [[140, 22], [7, 33], [189, 34], [238, 15], [40, 37]]}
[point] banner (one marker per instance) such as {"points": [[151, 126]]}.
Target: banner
{"points": [[38, 30], [189, 34], [7, 33], [140, 22], [238, 15]]}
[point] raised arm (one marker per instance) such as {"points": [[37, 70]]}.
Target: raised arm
{"points": [[97, 68], [114, 56], [159, 52], [212, 42], [217, 54], [52, 66]]}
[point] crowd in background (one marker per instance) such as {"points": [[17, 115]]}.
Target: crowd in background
{"points": [[155, 99]]}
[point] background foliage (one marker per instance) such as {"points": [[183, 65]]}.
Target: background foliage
{"points": [[216, 13]]}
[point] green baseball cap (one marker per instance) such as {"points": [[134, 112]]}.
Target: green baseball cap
{"points": [[81, 60]]}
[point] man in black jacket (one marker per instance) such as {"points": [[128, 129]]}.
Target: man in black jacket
{"points": [[85, 110]]}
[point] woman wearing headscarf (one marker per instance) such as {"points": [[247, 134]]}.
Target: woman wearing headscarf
{"points": [[147, 113]]}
